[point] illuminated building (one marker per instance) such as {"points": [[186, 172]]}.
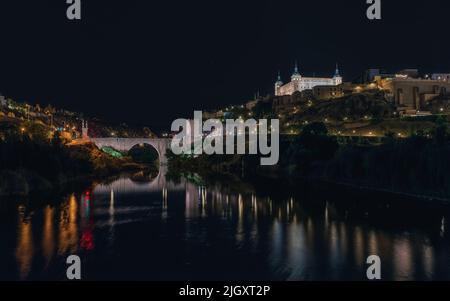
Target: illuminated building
{"points": [[85, 130], [412, 95], [301, 83]]}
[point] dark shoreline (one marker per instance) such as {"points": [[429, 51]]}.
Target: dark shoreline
{"points": [[275, 177], [317, 181], [423, 198], [272, 178], [75, 182]]}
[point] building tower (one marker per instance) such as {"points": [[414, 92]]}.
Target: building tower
{"points": [[296, 78], [337, 78], [278, 85], [84, 130]]}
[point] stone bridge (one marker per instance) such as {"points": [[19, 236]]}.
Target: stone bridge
{"points": [[125, 144]]}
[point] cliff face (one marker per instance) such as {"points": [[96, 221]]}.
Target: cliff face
{"points": [[354, 106]]}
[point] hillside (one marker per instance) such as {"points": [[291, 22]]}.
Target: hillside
{"points": [[67, 123], [362, 114]]}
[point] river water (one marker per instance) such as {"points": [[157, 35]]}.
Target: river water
{"points": [[156, 229]]}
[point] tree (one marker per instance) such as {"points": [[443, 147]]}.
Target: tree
{"points": [[313, 145], [315, 128], [440, 133]]}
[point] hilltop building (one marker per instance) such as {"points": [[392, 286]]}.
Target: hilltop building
{"points": [[411, 95], [84, 130], [300, 83], [407, 90], [372, 75]]}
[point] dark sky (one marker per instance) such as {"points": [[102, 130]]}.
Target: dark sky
{"points": [[153, 61]]}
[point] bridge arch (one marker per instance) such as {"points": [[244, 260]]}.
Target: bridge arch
{"points": [[126, 144], [144, 151]]}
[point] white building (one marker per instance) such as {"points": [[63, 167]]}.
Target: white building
{"points": [[301, 83]]}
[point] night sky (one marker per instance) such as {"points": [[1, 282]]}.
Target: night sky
{"points": [[150, 62]]}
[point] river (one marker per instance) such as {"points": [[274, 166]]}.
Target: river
{"points": [[157, 229]]}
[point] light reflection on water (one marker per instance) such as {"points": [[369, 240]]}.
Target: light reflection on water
{"points": [[177, 231], [25, 248]]}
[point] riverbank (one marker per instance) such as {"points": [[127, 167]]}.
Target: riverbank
{"points": [[289, 184], [48, 168], [417, 166], [23, 183]]}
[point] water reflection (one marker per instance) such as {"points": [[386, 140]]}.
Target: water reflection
{"points": [[25, 248], [68, 227], [147, 228], [48, 235], [87, 223], [111, 221]]}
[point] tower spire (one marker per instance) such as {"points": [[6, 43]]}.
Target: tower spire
{"points": [[278, 84], [337, 70], [296, 75]]}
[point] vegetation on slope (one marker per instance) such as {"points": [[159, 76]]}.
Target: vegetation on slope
{"points": [[30, 161]]}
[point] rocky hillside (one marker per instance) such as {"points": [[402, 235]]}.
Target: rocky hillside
{"points": [[351, 107]]}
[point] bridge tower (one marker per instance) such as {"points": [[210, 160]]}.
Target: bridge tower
{"points": [[84, 129]]}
